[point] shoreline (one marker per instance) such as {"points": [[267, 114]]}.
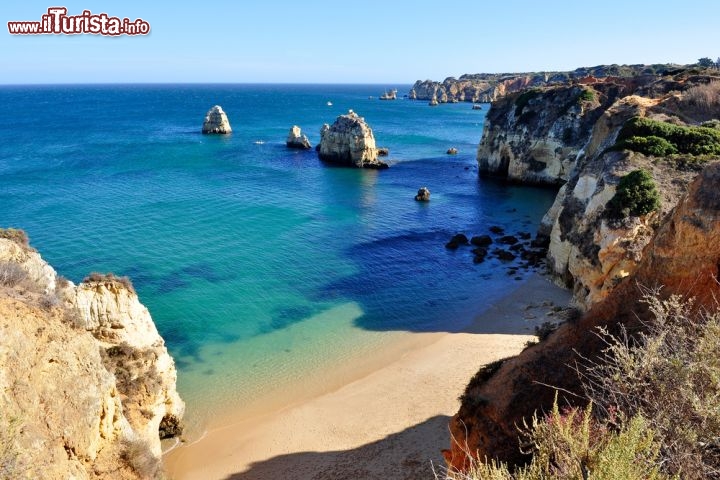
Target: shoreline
{"points": [[387, 420]]}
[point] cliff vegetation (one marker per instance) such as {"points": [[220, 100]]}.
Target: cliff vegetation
{"points": [[631, 387]]}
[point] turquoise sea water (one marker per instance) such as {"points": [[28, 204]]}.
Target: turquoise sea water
{"points": [[259, 264]]}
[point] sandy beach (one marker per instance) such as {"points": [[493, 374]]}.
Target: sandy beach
{"points": [[390, 423]]}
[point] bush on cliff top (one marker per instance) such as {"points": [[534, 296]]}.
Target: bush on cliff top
{"points": [[636, 195], [669, 375], [678, 139], [572, 445], [656, 407]]}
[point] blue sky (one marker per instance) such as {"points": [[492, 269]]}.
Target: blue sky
{"points": [[355, 41]]}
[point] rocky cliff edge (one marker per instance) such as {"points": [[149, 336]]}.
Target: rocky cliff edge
{"points": [[88, 387]]}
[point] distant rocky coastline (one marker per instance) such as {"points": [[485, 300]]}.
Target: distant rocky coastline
{"points": [[488, 87]]}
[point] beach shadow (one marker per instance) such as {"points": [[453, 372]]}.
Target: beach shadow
{"points": [[406, 455]]}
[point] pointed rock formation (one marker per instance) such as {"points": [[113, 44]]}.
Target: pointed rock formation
{"points": [[216, 121], [296, 139], [349, 141]]}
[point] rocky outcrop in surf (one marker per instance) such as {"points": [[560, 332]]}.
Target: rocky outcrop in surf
{"points": [[216, 122], [349, 141], [298, 140], [84, 373]]}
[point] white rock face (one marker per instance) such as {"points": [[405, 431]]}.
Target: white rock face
{"points": [[39, 272], [85, 373], [216, 121], [349, 141], [296, 139], [114, 315]]}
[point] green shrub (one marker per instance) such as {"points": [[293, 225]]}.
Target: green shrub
{"points": [[636, 195], [689, 140], [651, 145], [586, 95]]}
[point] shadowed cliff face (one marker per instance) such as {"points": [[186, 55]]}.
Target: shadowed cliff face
{"points": [[682, 256], [537, 135], [88, 387]]}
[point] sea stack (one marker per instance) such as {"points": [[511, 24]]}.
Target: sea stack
{"points": [[349, 141], [216, 121], [296, 139]]}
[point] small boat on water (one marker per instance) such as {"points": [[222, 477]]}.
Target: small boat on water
{"points": [[329, 104], [259, 142], [477, 107]]}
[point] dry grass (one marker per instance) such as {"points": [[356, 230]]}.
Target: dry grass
{"points": [[16, 235], [669, 375], [706, 98], [137, 454], [10, 463], [110, 277], [12, 274], [572, 445]]}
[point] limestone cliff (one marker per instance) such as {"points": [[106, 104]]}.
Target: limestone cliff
{"points": [[349, 141], [88, 387], [536, 136], [588, 251], [682, 256]]}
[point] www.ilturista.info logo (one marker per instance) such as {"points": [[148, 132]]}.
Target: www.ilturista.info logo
{"points": [[57, 21]]}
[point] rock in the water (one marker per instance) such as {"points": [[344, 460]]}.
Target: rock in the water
{"points": [[216, 121], [481, 240], [383, 151], [389, 95], [296, 139], [508, 240], [349, 141], [433, 102], [504, 255], [497, 230], [452, 151], [423, 195], [456, 241]]}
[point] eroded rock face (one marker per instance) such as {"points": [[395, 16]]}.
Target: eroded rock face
{"points": [[216, 121], [536, 136], [87, 383], [135, 352], [349, 141], [682, 257], [296, 139], [589, 252]]}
